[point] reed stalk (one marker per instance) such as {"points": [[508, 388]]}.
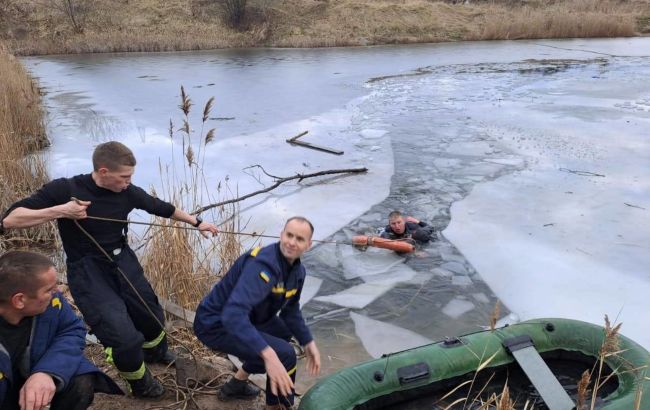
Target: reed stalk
{"points": [[180, 264]]}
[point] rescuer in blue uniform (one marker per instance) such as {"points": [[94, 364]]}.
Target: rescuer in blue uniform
{"points": [[114, 311], [42, 341], [254, 311]]}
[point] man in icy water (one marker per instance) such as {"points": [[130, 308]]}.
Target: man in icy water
{"points": [[42, 341], [400, 227], [115, 312], [254, 311]]}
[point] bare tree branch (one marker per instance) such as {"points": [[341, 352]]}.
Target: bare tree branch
{"points": [[279, 181]]}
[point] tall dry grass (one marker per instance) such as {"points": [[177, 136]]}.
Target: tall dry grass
{"points": [[571, 19], [35, 27], [182, 265], [22, 134]]}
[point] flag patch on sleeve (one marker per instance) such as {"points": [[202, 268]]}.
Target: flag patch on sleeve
{"points": [[264, 277]]}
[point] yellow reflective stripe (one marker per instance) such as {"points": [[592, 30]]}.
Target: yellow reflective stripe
{"points": [[292, 371], [291, 292], [109, 355], [255, 251], [2, 375], [277, 290], [155, 342], [265, 277], [136, 375]]}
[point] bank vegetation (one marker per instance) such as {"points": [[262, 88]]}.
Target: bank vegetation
{"points": [[78, 26], [22, 135]]}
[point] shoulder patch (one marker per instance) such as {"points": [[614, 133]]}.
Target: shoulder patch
{"points": [[255, 251], [56, 302], [265, 277]]}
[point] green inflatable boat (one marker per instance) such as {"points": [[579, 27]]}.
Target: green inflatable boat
{"points": [[540, 360]]}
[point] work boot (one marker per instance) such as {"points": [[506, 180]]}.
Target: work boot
{"points": [[156, 356], [146, 387], [159, 354], [238, 389]]}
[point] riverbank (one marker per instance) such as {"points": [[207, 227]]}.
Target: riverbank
{"points": [[22, 132], [32, 27]]}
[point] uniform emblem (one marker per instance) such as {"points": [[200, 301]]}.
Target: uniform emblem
{"points": [[56, 302]]}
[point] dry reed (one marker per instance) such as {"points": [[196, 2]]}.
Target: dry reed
{"points": [[22, 134], [181, 264]]}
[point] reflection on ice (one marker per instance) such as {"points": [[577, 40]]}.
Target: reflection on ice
{"points": [[309, 289], [457, 307], [371, 262], [379, 338]]}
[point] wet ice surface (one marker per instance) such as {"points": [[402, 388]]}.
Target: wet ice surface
{"points": [[497, 144], [484, 142]]}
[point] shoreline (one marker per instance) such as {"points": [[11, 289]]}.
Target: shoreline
{"points": [[154, 25]]}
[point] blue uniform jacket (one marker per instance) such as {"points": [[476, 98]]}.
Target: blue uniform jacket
{"points": [[258, 286], [56, 346]]}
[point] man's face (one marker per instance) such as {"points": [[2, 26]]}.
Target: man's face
{"points": [[37, 301], [117, 180], [397, 224], [295, 239]]}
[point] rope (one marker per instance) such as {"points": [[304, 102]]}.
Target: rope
{"points": [[253, 234]]}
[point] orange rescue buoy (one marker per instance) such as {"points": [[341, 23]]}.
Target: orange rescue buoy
{"points": [[378, 242]]}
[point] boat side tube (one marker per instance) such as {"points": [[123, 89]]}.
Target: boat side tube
{"points": [[367, 382]]}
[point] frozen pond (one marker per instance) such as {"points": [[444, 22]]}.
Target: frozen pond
{"points": [[532, 159]]}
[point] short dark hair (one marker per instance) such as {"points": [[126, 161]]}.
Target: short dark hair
{"points": [[112, 155], [19, 271], [300, 219], [394, 214]]}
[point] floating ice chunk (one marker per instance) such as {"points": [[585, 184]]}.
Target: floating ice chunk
{"points": [[372, 134], [326, 254], [358, 296], [371, 262], [457, 307], [309, 289], [461, 280], [442, 272], [400, 273], [455, 267], [379, 338], [481, 297]]}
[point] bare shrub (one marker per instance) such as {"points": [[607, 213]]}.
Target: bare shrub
{"points": [[234, 12]]}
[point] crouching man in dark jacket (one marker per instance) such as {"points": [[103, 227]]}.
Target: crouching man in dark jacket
{"points": [[240, 317], [400, 227], [42, 341]]}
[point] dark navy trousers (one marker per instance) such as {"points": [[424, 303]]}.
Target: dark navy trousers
{"points": [[277, 335], [111, 307]]}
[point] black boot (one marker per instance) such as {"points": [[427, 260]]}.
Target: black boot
{"points": [[146, 387], [238, 389], [159, 354]]}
